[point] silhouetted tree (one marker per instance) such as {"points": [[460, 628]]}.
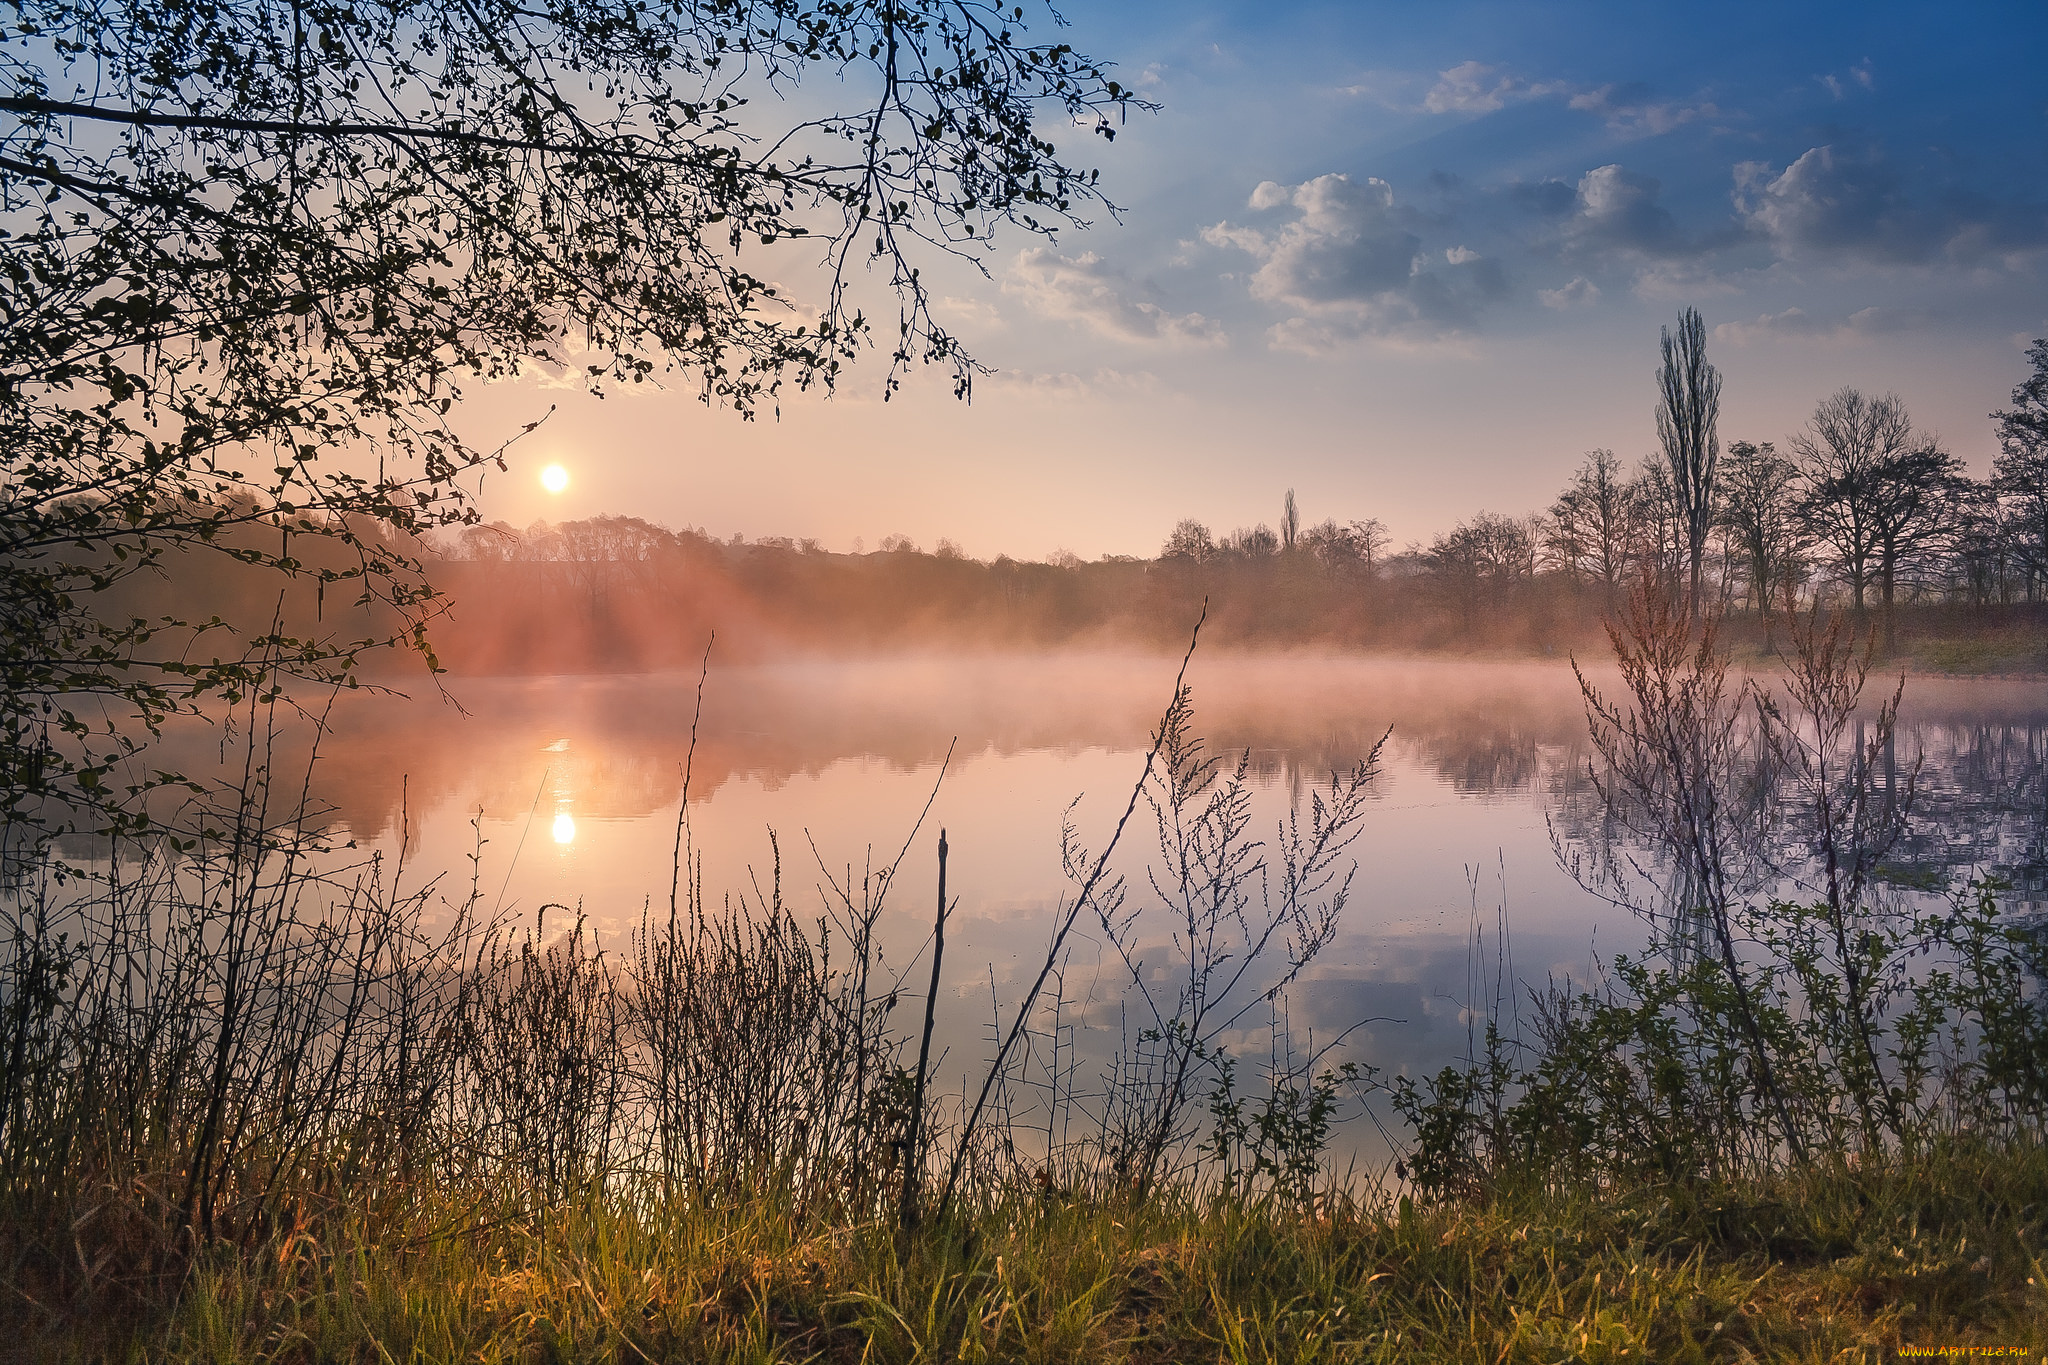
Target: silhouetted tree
{"points": [[1371, 534], [2020, 472], [1485, 562], [1760, 509], [1658, 545], [488, 543], [1913, 509], [1985, 546], [1341, 550], [1290, 523], [241, 235], [1592, 523], [1845, 451], [1252, 542], [1688, 408], [1189, 540]]}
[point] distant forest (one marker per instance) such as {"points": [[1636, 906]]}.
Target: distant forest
{"points": [[1860, 509]]}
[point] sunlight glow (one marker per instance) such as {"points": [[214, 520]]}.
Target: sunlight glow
{"points": [[565, 828], [554, 478]]}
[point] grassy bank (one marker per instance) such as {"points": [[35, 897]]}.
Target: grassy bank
{"points": [[1939, 640], [1947, 1251]]}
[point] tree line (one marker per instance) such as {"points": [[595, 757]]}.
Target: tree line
{"points": [[1860, 508]]}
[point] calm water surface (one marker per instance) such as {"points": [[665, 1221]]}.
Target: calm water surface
{"points": [[572, 785]]}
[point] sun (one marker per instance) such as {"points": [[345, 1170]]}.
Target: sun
{"points": [[554, 478], [565, 828]]}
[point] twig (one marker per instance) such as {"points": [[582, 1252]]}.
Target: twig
{"points": [[1059, 939], [913, 1163], [675, 865]]}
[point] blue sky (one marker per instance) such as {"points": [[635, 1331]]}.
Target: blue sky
{"points": [[1887, 157], [1412, 260]]}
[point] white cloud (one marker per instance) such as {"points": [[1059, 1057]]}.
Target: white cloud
{"points": [[1688, 281], [1388, 89], [1580, 291], [1246, 239], [1319, 336], [1350, 264], [1875, 319], [1830, 204], [1618, 209], [1469, 89], [1345, 245], [1473, 88], [1838, 86], [1792, 323], [1823, 202], [1476, 88], [976, 313], [1630, 111], [1087, 290], [1268, 194]]}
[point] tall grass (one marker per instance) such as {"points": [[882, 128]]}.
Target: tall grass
{"points": [[223, 1034]]}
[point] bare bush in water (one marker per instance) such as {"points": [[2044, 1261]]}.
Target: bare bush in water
{"points": [[762, 1062], [547, 1074], [1831, 1024], [1212, 887], [1677, 764], [195, 1031], [1848, 806]]}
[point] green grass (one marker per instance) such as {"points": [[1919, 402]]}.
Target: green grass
{"points": [[2016, 654], [1951, 641], [1844, 1265]]}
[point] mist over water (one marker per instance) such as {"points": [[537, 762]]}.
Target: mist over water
{"points": [[572, 785]]}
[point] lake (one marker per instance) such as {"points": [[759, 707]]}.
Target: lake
{"points": [[565, 790]]}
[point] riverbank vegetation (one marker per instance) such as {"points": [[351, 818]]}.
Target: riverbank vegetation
{"points": [[619, 593], [1862, 512], [257, 1106], [1941, 1252]]}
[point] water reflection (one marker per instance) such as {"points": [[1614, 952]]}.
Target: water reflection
{"points": [[1486, 760], [612, 747], [1981, 803]]}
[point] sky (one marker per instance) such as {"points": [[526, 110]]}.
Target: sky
{"points": [[1410, 260]]}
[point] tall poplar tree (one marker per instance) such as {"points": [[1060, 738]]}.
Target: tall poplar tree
{"points": [[1688, 411]]}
